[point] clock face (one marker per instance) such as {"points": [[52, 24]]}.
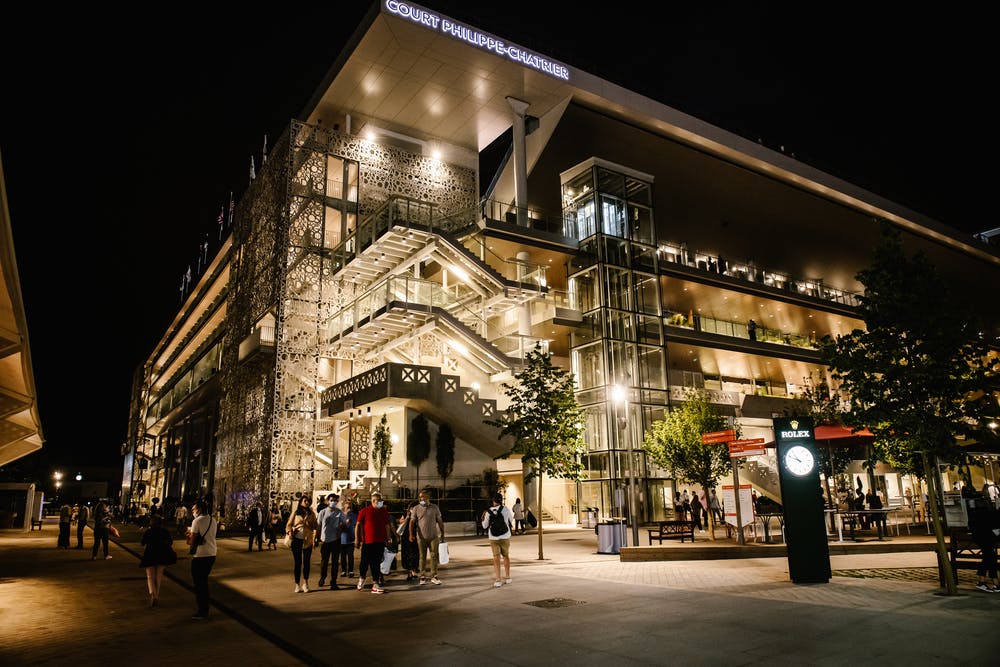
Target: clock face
{"points": [[799, 460]]}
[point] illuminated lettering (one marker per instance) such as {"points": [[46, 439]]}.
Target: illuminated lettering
{"points": [[476, 38], [796, 434]]}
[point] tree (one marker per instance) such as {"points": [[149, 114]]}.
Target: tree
{"points": [[674, 443], [381, 447], [445, 455], [545, 422], [912, 373], [418, 444]]}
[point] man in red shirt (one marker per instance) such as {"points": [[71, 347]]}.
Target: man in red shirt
{"points": [[372, 532]]}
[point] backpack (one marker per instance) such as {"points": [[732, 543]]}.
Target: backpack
{"points": [[498, 523]]}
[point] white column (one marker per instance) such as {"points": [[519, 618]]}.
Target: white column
{"points": [[520, 161], [524, 309]]}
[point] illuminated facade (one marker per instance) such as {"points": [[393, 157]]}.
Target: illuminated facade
{"points": [[378, 265]]}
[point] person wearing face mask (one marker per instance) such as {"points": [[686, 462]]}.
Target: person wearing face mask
{"points": [[373, 532], [203, 559], [427, 530]]}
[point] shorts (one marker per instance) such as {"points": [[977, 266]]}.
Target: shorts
{"points": [[501, 547]]}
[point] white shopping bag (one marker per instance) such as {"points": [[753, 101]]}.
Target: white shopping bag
{"points": [[443, 553], [387, 559]]}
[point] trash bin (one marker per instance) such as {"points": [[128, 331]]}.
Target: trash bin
{"points": [[610, 536], [589, 517]]}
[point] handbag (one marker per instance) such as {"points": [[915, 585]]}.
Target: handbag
{"points": [[288, 540], [443, 553], [113, 531]]}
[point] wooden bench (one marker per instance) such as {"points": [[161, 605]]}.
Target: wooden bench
{"points": [[36, 523], [963, 552], [671, 530]]}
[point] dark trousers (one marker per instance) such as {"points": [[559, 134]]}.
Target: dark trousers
{"points": [[256, 535], [302, 554], [80, 525], [347, 557], [371, 559], [200, 569], [63, 534], [100, 538], [329, 553]]}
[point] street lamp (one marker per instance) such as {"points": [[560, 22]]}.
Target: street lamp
{"points": [[57, 475], [619, 396]]}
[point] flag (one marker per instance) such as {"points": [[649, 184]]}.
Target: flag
{"points": [[221, 212], [232, 207], [264, 157], [253, 174]]}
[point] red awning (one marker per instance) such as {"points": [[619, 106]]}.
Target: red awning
{"points": [[835, 432]]}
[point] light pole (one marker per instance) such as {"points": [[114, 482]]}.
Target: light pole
{"points": [[57, 475], [619, 396]]}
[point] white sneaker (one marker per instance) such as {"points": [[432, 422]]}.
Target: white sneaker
{"points": [[361, 584], [435, 581], [508, 581], [497, 584], [298, 589], [305, 587], [108, 557]]}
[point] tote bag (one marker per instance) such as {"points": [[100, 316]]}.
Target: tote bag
{"points": [[443, 553], [387, 559]]}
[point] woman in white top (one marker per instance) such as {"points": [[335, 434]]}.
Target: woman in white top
{"points": [[518, 511]]}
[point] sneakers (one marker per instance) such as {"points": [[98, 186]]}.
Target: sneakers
{"points": [[298, 588], [983, 586], [377, 590], [497, 584], [361, 584], [343, 574], [435, 581], [423, 580], [508, 581], [108, 557], [305, 587]]}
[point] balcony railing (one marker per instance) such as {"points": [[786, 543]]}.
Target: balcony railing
{"points": [[749, 272], [738, 330]]}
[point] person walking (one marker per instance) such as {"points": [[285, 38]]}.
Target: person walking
{"points": [[373, 532], [696, 508], [82, 517], [180, 518], [427, 530], [273, 527], [350, 521], [255, 523], [158, 554], [715, 507], [331, 524], [498, 521], [65, 521], [102, 521], [984, 519], [302, 525], [518, 511], [203, 529], [409, 555]]}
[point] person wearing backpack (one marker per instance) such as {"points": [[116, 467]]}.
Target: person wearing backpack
{"points": [[498, 521]]}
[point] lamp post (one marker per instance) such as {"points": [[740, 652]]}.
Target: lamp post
{"points": [[618, 395]]}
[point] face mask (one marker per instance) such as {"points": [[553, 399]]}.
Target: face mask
{"points": [[423, 502], [378, 504]]}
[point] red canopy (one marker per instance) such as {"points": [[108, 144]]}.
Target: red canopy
{"points": [[836, 432]]}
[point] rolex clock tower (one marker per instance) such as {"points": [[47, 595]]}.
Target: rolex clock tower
{"points": [[802, 498]]}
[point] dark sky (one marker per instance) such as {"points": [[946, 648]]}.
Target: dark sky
{"points": [[120, 145]]}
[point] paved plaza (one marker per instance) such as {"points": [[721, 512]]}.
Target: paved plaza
{"points": [[575, 607]]}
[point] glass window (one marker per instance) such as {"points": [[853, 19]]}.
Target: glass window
{"points": [[621, 363], [617, 292], [616, 251], [584, 287], [613, 216], [619, 325], [641, 224], [638, 191], [651, 368], [648, 329], [588, 366], [587, 331], [610, 182], [646, 299]]}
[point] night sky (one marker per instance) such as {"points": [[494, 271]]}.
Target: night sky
{"points": [[120, 146]]}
